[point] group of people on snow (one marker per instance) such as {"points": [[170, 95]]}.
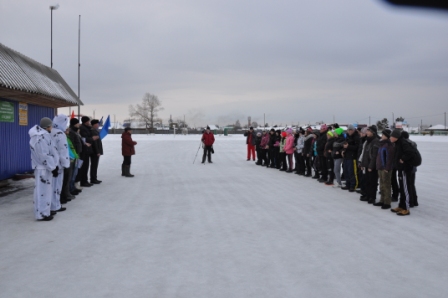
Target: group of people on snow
{"points": [[61, 157], [356, 158]]}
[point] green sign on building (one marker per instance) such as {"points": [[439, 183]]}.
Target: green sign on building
{"points": [[6, 111]]}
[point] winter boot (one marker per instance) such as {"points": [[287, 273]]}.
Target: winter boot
{"points": [[379, 204], [123, 173], [396, 210], [78, 186], [404, 212], [127, 171], [371, 201]]}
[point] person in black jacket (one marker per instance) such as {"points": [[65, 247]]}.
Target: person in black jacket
{"points": [[331, 138], [97, 147], [350, 154], [321, 142], [274, 149], [87, 139], [307, 150], [405, 158], [258, 149], [368, 165], [75, 137]]}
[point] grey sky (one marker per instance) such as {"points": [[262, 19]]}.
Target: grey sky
{"points": [[226, 60]]}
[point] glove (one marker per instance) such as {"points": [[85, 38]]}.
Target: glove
{"points": [[55, 172]]}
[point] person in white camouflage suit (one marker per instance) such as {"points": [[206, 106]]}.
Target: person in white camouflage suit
{"points": [[59, 141], [44, 163]]}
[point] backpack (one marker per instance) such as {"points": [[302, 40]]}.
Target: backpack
{"points": [[417, 161]]}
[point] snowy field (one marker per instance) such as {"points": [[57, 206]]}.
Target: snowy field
{"points": [[230, 229]]}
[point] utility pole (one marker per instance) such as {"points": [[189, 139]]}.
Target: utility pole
{"points": [[421, 126], [79, 67], [369, 120], [445, 120], [393, 120], [264, 120]]}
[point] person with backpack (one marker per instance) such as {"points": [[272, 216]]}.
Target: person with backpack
{"points": [[384, 161], [406, 159]]}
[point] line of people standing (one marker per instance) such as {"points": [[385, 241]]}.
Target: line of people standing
{"points": [[356, 158], [60, 157]]}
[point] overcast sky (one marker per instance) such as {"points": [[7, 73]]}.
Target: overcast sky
{"points": [[219, 61]]}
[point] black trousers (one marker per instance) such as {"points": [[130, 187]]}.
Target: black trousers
{"points": [[82, 173], [300, 163], [395, 187], [323, 167], [126, 160], [371, 186], [274, 157], [65, 193], [408, 195], [207, 153], [283, 163], [94, 161], [308, 161], [330, 168]]}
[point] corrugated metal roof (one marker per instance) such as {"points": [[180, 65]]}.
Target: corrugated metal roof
{"points": [[18, 72]]}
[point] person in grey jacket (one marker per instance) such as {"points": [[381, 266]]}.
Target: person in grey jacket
{"points": [[368, 164], [300, 161]]}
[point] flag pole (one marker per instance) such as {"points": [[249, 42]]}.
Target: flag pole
{"points": [[79, 66]]}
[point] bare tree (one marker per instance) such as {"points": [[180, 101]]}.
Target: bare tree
{"points": [[381, 125], [147, 111]]}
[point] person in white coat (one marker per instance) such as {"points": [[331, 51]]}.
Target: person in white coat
{"points": [[59, 140], [44, 163]]}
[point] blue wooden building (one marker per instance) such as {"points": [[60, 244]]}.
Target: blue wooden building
{"points": [[29, 91]]}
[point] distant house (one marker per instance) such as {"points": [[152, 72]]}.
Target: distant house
{"points": [[29, 91], [438, 127]]}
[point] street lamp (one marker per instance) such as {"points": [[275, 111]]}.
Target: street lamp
{"points": [[52, 7]]}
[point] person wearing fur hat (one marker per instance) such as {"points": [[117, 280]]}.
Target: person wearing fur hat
{"points": [[44, 161], [250, 142], [85, 130], [97, 147], [406, 158], [321, 141], [59, 140], [289, 149], [384, 161], [350, 154], [368, 165]]}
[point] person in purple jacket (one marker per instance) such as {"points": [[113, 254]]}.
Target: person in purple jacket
{"points": [[384, 165]]}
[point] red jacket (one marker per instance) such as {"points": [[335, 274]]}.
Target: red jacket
{"points": [[208, 139], [127, 144]]}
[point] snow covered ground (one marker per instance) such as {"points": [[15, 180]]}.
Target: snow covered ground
{"points": [[230, 229]]}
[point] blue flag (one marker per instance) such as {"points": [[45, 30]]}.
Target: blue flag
{"points": [[105, 130]]}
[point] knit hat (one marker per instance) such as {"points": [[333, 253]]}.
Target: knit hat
{"points": [[284, 134], [405, 134], [208, 127], [127, 128], [289, 131], [350, 127], [74, 121], [273, 130], [323, 127], [94, 121], [45, 122], [386, 132], [251, 128], [301, 130], [373, 129], [339, 131], [396, 133], [84, 119], [330, 133]]}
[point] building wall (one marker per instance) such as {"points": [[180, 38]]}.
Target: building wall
{"points": [[15, 156]]}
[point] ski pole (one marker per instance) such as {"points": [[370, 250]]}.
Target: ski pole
{"points": [[197, 152]]}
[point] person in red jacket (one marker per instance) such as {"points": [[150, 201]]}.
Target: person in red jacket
{"points": [[208, 139], [127, 150]]}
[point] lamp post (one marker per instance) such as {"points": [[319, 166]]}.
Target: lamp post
{"points": [[52, 7]]}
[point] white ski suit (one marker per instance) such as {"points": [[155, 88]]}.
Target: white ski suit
{"points": [[43, 161], [59, 140]]}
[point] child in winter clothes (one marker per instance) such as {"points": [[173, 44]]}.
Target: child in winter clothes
{"points": [[289, 149], [384, 161]]}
